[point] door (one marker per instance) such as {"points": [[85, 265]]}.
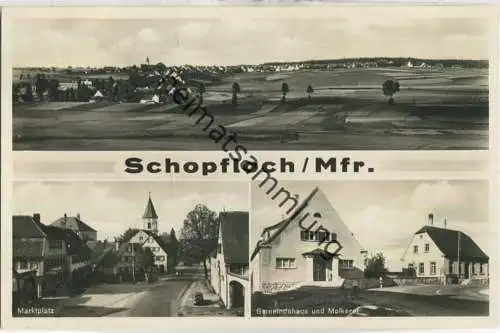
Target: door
{"points": [[319, 267]]}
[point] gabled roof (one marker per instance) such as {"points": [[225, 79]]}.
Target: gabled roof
{"points": [[24, 226], [74, 244], [150, 212], [447, 240], [279, 227], [72, 222], [158, 239], [234, 229], [112, 257]]}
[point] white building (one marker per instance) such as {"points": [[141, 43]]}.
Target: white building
{"points": [[148, 237], [437, 254], [229, 264], [298, 251]]}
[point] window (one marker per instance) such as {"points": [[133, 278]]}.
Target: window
{"points": [[415, 248], [421, 268], [160, 258], [480, 268], [285, 263], [149, 225], [23, 264], [473, 268], [317, 236], [55, 244], [346, 264], [426, 248], [141, 238], [433, 268]]}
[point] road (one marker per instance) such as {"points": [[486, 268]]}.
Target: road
{"points": [[162, 300], [419, 301]]}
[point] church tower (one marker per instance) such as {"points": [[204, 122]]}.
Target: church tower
{"points": [[150, 218]]}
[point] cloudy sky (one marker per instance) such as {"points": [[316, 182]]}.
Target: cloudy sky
{"points": [[97, 42], [384, 215], [112, 207]]}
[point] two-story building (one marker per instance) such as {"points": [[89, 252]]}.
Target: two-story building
{"points": [[443, 255], [76, 224], [229, 265], [42, 249], [148, 237], [303, 249]]}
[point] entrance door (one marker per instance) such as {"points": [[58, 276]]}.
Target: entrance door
{"points": [[319, 269]]}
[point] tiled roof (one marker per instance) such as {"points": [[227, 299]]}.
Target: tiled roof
{"points": [[447, 240], [150, 212], [159, 239], [234, 228], [112, 257], [28, 248], [279, 227], [73, 223], [23, 226]]}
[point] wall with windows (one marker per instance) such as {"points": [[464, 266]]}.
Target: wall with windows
{"points": [[147, 241], [424, 256]]}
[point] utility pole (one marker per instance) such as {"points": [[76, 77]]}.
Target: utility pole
{"points": [[458, 254], [133, 264]]}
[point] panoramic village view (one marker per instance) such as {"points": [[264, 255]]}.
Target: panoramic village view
{"points": [[423, 257], [65, 267], [367, 101]]}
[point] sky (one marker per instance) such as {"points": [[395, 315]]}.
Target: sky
{"points": [[113, 207], [123, 42], [384, 215]]}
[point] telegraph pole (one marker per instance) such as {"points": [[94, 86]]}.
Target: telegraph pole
{"points": [[133, 264], [458, 254]]}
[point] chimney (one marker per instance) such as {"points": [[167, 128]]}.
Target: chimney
{"points": [[78, 216], [36, 218], [431, 219], [445, 222], [63, 223]]}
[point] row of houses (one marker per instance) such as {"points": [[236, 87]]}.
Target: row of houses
{"points": [[287, 256], [65, 256]]}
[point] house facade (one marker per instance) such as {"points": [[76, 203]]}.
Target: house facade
{"points": [[75, 223], [116, 262], [148, 237], [229, 265], [302, 250], [40, 249], [441, 255]]}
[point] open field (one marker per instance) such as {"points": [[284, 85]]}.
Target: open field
{"points": [[347, 111]]}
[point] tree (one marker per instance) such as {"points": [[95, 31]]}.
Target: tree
{"points": [[375, 266], [389, 88], [236, 90], [129, 233], [161, 68], [53, 89], [41, 86], [284, 90], [149, 259], [110, 85], [199, 235], [201, 90], [309, 91], [173, 246]]}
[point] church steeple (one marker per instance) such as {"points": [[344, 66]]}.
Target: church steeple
{"points": [[150, 218]]}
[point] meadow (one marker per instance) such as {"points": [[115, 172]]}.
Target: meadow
{"points": [[434, 109]]}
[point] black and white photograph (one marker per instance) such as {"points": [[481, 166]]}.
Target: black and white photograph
{"points": [[350, 249], [130, 249], [392, 78]]}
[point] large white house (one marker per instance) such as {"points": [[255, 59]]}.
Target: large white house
{"points": [[439, 253], [148, 237], [229, 264], [297, 251]]}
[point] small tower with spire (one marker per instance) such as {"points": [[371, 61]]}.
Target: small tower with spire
{"points": [[150, 218]]}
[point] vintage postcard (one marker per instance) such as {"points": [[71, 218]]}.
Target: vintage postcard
{"points": [[306, 78], [185, 164], [130, 249], [415, 248]]}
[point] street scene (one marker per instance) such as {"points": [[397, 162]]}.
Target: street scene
{"points": [[418, 248], [429, 94], [158, 249]]}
